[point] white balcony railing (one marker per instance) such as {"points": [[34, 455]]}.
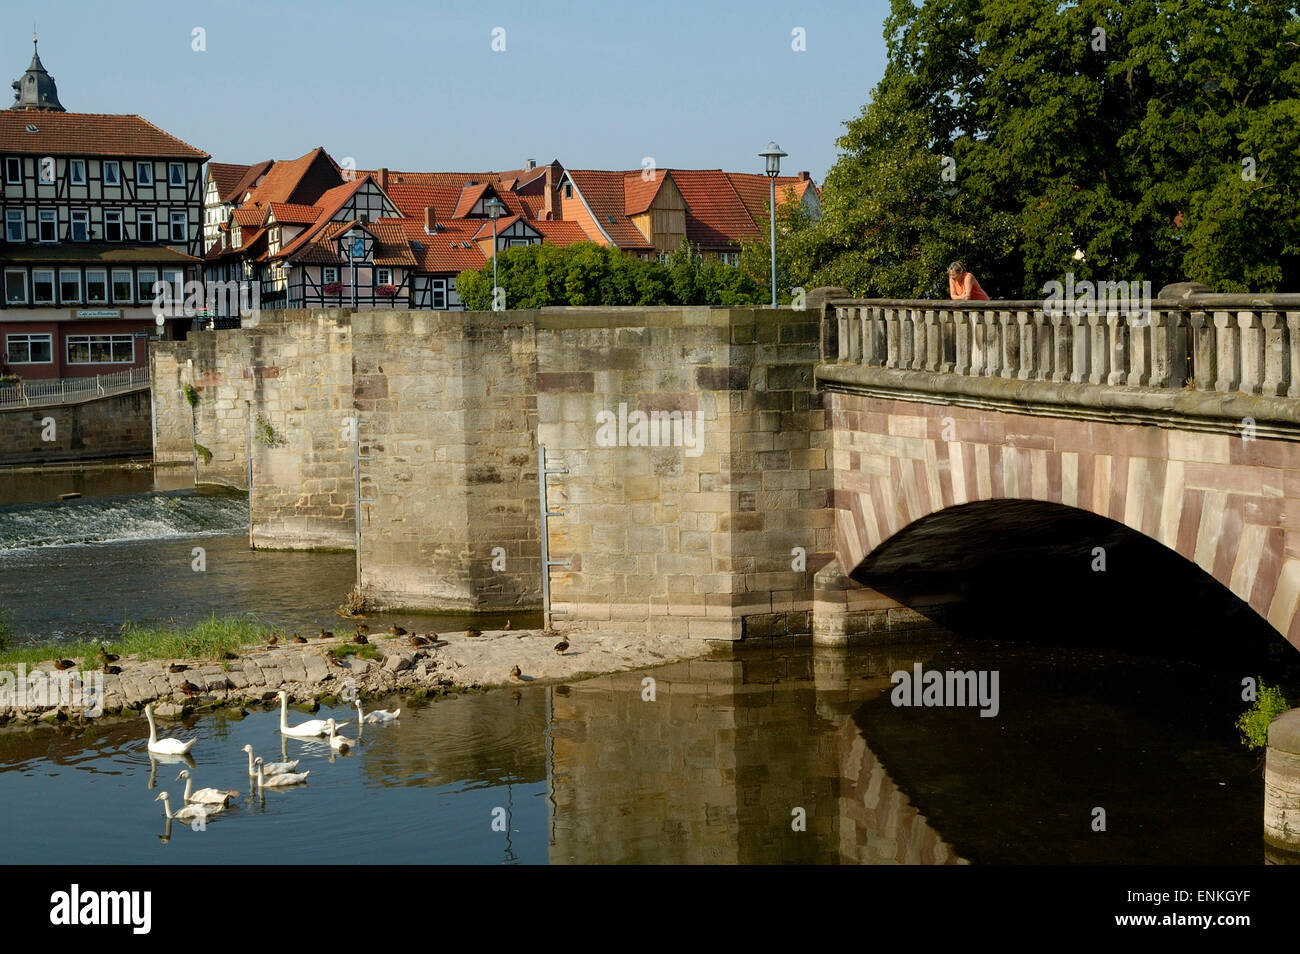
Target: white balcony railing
{"points": [[63, 390]]}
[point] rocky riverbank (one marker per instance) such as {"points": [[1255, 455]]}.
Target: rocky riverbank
{"points": [[311, 671]]}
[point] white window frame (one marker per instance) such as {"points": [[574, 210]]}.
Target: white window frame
{"points": [[141, 217], [380, 278], [174, 279], [437, 286], [73, 166], [44, 216], [325, 274], [29, 339], [54, 288], [183, 217], [114, 216], [172, 167], [74, 272], [23, 273], [117, 173], [111, 340], [103, 280], [130, 283], [10, 161], [143, 173], [12, 216], [145, 279], [81, 216]]}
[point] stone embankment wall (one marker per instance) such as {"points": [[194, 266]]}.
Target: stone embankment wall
{"points": [[117, 426], [715, 533]]}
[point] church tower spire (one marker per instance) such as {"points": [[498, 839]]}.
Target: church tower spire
{"points": [[36, 89]]}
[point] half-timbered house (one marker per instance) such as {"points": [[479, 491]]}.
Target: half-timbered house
{"points": [[97, 210]]}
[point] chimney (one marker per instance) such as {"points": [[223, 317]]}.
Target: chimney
{"points": [[430, 220], [383, 179], [548, 205], [530, 165], [803, 176]]}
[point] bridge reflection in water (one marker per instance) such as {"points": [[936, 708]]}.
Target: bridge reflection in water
{"points": [[715, 769]]}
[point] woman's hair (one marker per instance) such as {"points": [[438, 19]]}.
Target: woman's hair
{"points": [[957, 267]]}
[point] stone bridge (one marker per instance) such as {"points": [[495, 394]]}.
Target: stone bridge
{"points": [[1181, 425], [732, 472]]}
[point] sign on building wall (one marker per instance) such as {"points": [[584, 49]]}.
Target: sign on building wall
{"points": [[98, 313]]}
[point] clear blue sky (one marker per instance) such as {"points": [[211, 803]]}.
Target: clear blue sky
{"points": [[417, 86]]}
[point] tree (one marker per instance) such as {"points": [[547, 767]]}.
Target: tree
{"points": [[1015, 135]]}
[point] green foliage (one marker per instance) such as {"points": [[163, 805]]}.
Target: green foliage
{"points": [[6, 630], [1254, 722], [209, 639], [1058, 145], [266, 434], [365, 651], [204, 454], [191, 395], [535, 276]]}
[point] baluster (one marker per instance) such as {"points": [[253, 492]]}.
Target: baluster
{"points": [[992, 344], [1009, 331], [1293, 353], [1079, 340], [1062, 347], [891, 338], [964, 344], [1205, 356], [933, 340], [1274, 354], [1117, 352], [1042, 337], [1252, 352], [919, 347], [844, 343], [1163, 370], [978, 349], [1227, 341], [1028, 346], [947, 342]]}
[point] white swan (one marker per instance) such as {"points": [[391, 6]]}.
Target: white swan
{"points": [[205, 796], [275, 781], [337, 742], [379, 716], [165, 746], [188, 813], [310, 729], [268, 768]]}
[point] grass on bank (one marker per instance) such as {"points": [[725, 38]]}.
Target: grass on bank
{"points": [[210, 639]]}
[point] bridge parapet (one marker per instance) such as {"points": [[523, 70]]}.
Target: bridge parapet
{"points": [[1194, 357]]}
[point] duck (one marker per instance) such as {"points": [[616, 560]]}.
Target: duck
{"points": [[205, 796], [165, 746], [110, 670], [507, 625], [376, 717], [326, 634], [229, 655], [418, 641], [275, 638], [189, 688], [268, 768], [337, 742], [177, 667], [299, 638], [62, 664], [561, 646], [310, 729], [363, 629], [277, 781], [188, 813], [105, 657], [516, 675], [396, 630], [473, 632]]}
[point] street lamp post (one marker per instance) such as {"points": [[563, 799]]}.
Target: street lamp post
{"points": [[773, 154], [494, 209]]}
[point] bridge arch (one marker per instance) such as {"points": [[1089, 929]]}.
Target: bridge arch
{"points": [[1220, 502]]}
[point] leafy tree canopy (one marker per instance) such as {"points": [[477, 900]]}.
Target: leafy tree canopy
{"points": [[1158, 138]]}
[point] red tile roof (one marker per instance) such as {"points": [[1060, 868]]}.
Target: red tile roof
{"points": [[716, 216], [753, 191], [560, 233], [300, 181], [604, 193], [639, 191], [288, 214], [89, 134], [330, 202], [248, 217], [443, 252], [227, 175]]}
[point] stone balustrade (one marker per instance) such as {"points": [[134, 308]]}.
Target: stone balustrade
{"points": [[1244, 344]]}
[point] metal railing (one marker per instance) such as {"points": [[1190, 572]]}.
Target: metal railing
{"points": [[1247, 344], [63, 390]]}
